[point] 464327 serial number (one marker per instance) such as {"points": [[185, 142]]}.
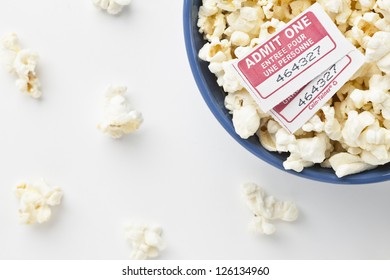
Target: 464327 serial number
{"points": [[302, 62], [225, 271], [321, 83]]}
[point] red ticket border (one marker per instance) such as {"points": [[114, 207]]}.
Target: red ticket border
{"points": [[276, 114]]}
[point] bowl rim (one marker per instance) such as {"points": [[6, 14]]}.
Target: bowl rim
{"points": [[307, 173]]}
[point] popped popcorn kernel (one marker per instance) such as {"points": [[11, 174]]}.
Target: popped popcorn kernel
{"points": [[266, 209], [346, 164], [35, 201], [22, 63], [120, 118], [146, 241], [113, 7]]}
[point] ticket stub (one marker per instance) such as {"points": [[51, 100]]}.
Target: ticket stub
{"points": [[291, 58], [298, 108]]}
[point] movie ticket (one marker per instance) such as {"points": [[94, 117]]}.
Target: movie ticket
{"points": [[298, 108], [292, 57]]}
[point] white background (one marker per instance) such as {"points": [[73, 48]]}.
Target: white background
{"points": [[180, 170]]}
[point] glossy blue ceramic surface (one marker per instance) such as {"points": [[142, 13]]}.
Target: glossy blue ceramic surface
{"points": [[214, 97]]}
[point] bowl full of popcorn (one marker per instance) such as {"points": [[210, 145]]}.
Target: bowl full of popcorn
{"points": [[346, 137]]}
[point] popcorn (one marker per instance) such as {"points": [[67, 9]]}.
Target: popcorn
{"points": [[119, 118], [367, 5], [306, 152], [284, 140], [383, 7], [240, 38], [267, 208], [339, 10], [354, 126], [267, 29], [237, 100], [212, 27], [240, 52], [384, 64], [314, 124], [346, 164], [112, 7], [246, 114], [332, 126], [208, 9], [247, 19], [267, 6], [246, 121], [333, 7], [372, 159], [228, 78], [376, 135], [21, 62], [378, 46], [229, 5], [267, 139], [146, 241], [377, 95], [216, 51], [298, 7], [364, 26], [35, 200], [356, 121], [378, 50]]}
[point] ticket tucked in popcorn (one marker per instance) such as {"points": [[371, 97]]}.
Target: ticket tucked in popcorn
{"points": [[290, 59], [294, 111]]}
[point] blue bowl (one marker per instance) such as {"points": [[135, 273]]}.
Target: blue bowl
{"points": [[214, 97]]}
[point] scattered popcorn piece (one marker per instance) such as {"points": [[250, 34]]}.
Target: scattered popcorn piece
{"points": [[146, 241], [267, 208], [119, 118], [21, 62], [346, 164], [112, 7], [35, 201]]}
